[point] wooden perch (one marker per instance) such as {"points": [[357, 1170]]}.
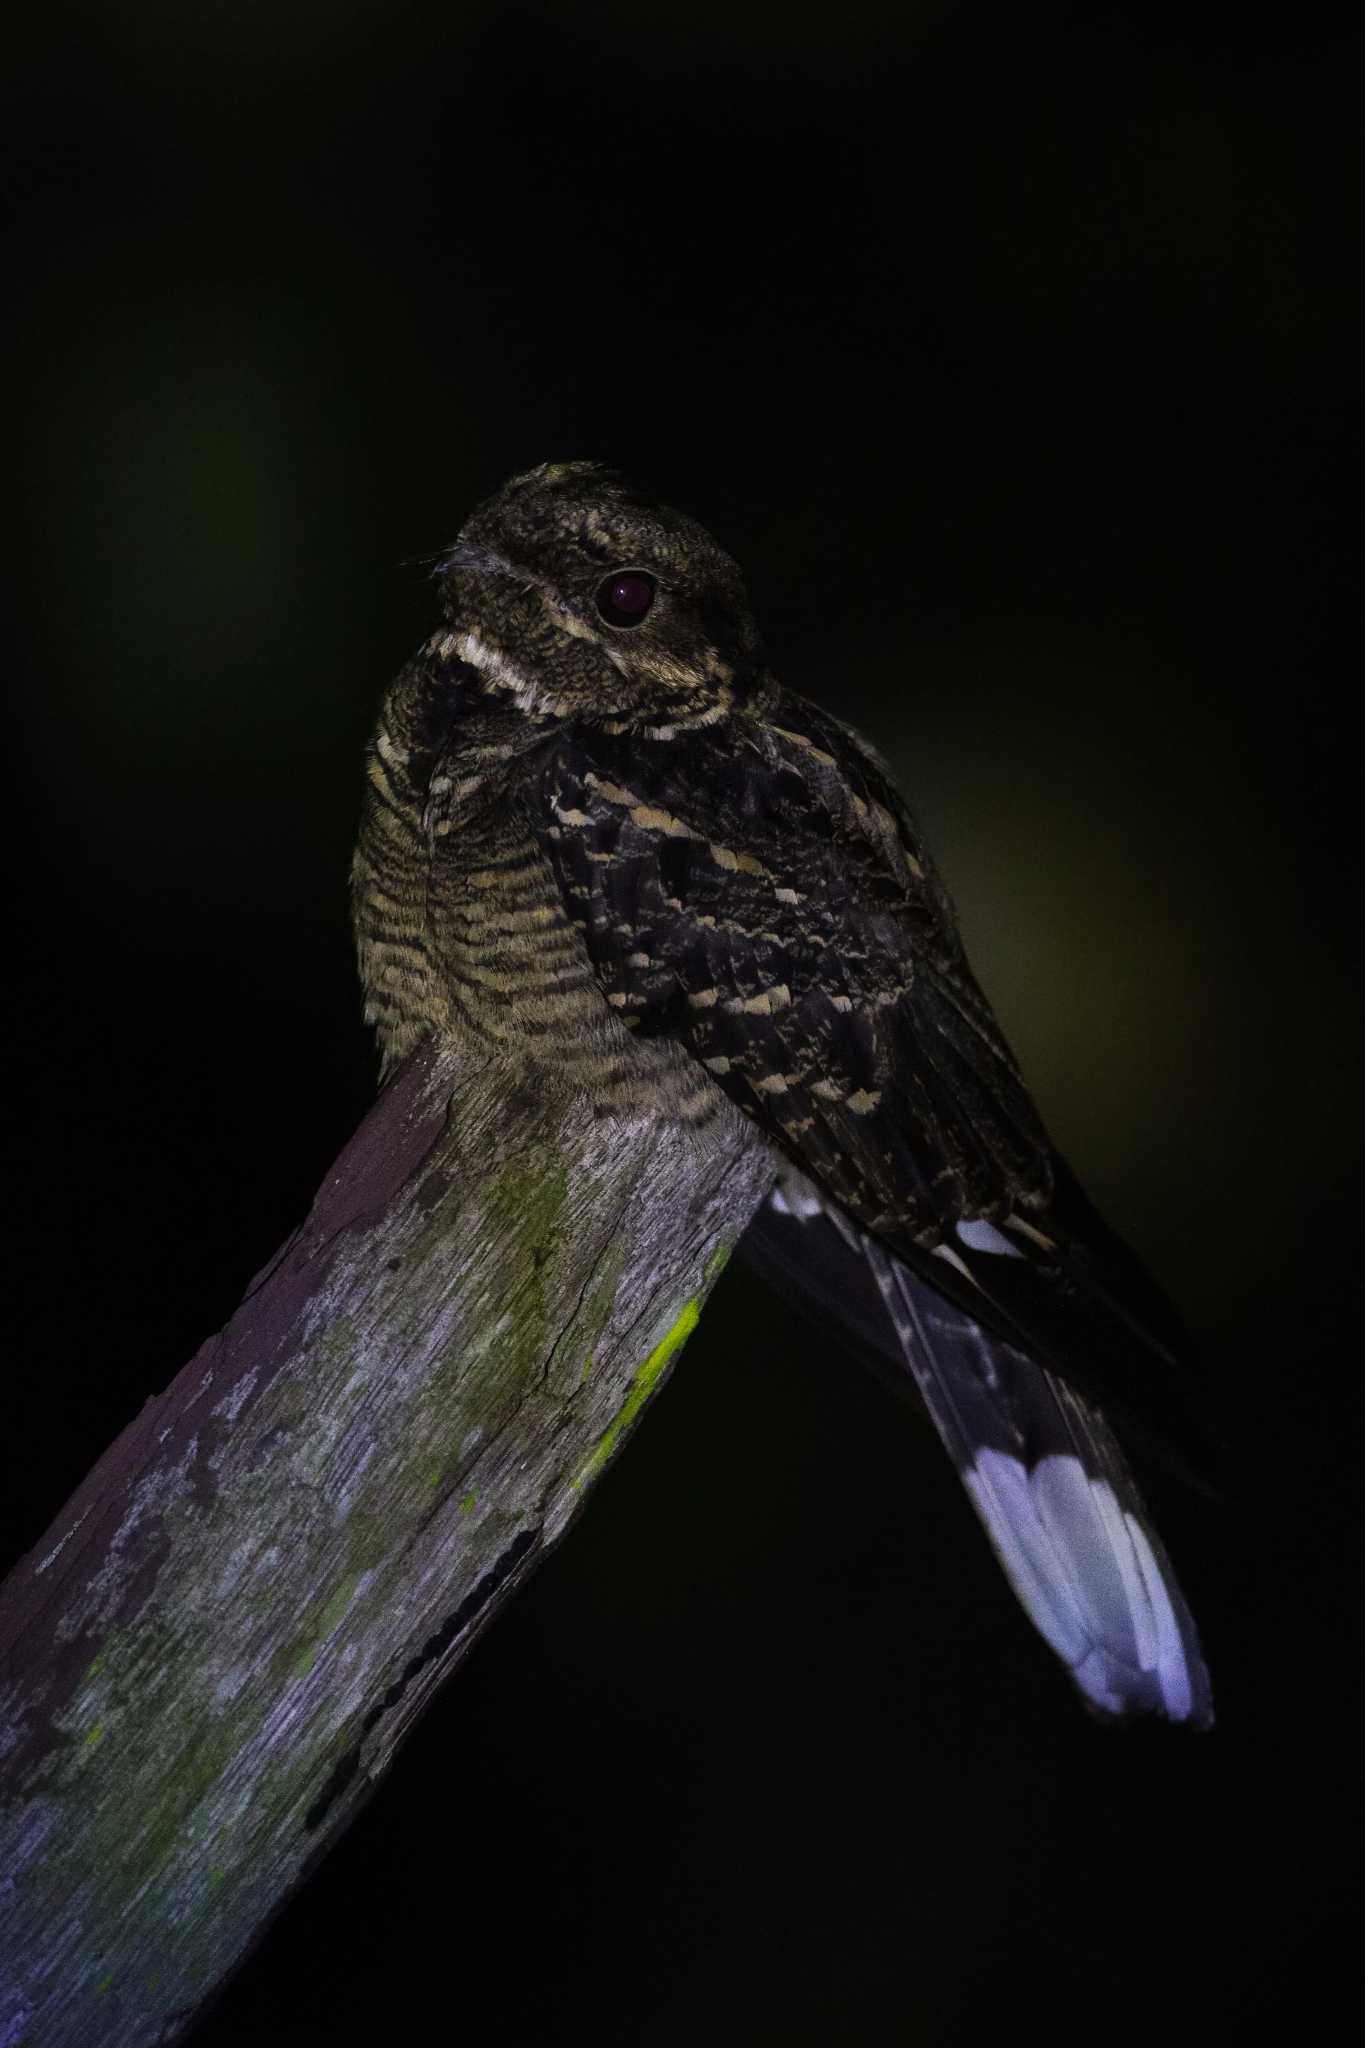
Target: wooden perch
{"points": [[217, 1647]]}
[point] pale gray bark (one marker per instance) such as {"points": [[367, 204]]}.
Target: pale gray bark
{"points": [[216, 1648]]}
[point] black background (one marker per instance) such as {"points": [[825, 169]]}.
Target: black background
{"points": [[1017, 356]]}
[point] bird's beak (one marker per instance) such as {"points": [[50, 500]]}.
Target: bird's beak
{"points": [[467, 554]]}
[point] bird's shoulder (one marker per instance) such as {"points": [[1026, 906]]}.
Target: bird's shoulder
{"points": [[783, 779]]}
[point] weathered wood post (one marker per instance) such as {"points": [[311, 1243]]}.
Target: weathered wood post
{"points": [[215, 1650]]}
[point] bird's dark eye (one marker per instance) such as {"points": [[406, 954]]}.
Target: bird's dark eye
{"points": [[623, 599]]}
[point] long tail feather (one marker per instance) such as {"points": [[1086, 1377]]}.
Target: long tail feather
{"points": [[1059, 1504]]}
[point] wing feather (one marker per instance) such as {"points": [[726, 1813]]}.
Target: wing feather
{"points": [[759, 894]]}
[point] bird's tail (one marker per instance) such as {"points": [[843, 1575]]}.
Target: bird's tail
{"points": [[1059, 1503], [1050, 1484]]}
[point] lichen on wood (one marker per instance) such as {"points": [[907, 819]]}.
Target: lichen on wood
{"points": [[214, 1652]]}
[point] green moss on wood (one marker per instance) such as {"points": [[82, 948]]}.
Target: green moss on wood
{"points": [[525, 1207], [641, 1387]]}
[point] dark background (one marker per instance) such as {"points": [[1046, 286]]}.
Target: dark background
{"points": [[1017, 355]]}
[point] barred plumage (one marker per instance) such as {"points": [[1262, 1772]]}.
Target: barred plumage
{"points": [[600, 836]]}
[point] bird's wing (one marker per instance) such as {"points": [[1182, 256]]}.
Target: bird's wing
{"points": [[757, 893], [761, 899]]}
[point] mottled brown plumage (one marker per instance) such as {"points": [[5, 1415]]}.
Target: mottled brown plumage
{"points": [[542, 787], [601, 837]]}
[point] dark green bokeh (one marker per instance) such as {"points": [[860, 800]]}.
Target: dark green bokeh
{"points": [[1018, 361]]}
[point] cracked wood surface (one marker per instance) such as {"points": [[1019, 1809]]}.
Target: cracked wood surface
{"points": [[215, 1650]]}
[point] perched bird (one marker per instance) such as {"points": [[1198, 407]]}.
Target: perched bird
{"points": [[600, 835]]}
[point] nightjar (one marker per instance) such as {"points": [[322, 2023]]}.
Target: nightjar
{"points": [[600, 836]]}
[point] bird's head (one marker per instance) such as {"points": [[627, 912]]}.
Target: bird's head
{"points": [[582, 598]]}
